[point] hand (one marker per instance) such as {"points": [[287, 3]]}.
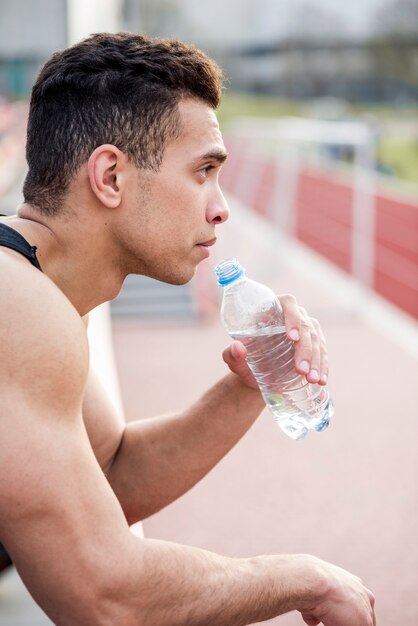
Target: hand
{"points": [[346, 601], [311, 357]]}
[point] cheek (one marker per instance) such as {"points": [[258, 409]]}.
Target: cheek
{"points": [[174, 215]]}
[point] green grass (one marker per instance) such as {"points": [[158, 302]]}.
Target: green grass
{"points": [[234, 104], [400, 156]]}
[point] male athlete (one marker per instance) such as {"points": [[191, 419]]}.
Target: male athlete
{"points": [[124, 152]]}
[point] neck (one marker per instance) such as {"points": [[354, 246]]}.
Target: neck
{"points": [[77, 255]]}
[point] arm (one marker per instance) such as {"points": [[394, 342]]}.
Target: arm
{"points": [[194, 441], [65, 529], [190, 443]]}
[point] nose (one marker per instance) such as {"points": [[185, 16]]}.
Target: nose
{"points": [[218, 210]]}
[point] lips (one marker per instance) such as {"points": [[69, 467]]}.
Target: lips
{"points": [[211, 242]]}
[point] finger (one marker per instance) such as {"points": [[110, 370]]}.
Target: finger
{"points": [[321, 347], [315, 364], [311, 357], [310, 620], [291, 314], [238, 351], [372, 601], [303, 348], [234, 356]]}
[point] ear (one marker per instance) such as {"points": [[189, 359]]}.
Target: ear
{"points": [[105, 170]]}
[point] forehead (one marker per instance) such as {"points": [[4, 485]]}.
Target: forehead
{"points": [[199, 129]]}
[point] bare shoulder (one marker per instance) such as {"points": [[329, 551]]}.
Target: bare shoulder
{"points": [[43, 339]]}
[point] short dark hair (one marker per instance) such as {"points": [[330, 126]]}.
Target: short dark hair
{"points": [[121, 89]]}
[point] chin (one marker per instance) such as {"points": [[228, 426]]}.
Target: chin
{"points": [[170, 273], [178, 280], [180, 277], [171, 278]]}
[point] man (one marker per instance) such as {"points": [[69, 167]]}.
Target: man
{"points": [[124, 152]]}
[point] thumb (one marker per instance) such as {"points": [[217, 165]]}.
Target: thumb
{"points": [[234, 356], [310, 620]]}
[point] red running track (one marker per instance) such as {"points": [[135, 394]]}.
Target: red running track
{"points": [[323, 207]]}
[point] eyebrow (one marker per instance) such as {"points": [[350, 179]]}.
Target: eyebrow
{"points": [[216, 155]]}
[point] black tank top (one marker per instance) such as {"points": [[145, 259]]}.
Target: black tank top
{"points": [[10, 238]]}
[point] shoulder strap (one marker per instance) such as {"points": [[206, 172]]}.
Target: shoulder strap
{"points": [[10, 238]]}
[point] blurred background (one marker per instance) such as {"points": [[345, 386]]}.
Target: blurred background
{"points": [[320, 120]]}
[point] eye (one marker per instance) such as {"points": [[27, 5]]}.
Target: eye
{"points": [[204, 171]]}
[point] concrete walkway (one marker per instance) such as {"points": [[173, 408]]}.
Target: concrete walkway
{"points": [[348, 495]]}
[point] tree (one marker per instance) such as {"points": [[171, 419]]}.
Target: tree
{"points": [[157, 18], [393, 47], [397, 18]]}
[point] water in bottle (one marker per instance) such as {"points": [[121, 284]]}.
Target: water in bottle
{"points": [[252, 314]]}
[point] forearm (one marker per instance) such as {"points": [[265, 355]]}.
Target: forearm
{"points": [[184, 586], [161, 458]]}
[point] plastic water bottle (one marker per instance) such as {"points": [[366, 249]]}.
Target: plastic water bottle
{"points": [[252, 314]]}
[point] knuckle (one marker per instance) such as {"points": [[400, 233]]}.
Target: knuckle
{"points": [[303, 347], [305, 338], [306, 345], [287, 298], [305, 326], [315, 340]]}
